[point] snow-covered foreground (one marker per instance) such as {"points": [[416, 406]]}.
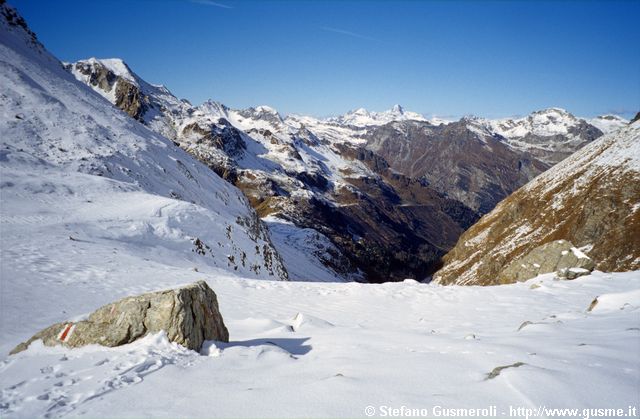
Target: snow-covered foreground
{"points": [[312, 349]]}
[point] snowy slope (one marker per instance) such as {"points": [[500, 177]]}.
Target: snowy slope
{"points": [[66, 151], [306, 253], [94, 207], [330, 350]]}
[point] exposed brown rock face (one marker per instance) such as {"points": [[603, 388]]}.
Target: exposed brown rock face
{"points": [[478, 169], [189, 315], [130, 99], [591, 199]]}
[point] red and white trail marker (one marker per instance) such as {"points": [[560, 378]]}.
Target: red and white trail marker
{"points": [[66, 332]]}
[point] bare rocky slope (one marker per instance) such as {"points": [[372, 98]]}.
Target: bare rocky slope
{"points": [[464, 161], [591, 199]]}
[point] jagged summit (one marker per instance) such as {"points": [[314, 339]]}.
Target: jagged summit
{"points": [[117, 66]]}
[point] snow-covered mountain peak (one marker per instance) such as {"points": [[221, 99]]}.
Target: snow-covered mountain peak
{"points": [[212, 107], [551, 116], [263, 113], [118, 67], [264, 109], [545, 122], [362, 117], [552, 111], [115, 66]]}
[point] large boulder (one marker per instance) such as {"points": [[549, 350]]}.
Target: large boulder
{"points": [[557, 256], [189, 315]]}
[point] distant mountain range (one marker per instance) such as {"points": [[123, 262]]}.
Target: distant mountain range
{"points": [[369, 196]]}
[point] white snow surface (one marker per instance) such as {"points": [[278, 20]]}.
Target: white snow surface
{"points": [[322, 350]]}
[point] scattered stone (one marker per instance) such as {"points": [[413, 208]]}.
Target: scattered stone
{"points": [[497, 370], [593, 304], [189, 315], [572, 273], [524, 324]]}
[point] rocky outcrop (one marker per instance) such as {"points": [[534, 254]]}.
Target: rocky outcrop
{"points": [[556, 256], [591, 199], [127, 95], [189, 315]]}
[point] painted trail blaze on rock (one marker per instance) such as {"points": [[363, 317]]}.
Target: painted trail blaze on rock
{"points": [[189, 315], [66, 333]]}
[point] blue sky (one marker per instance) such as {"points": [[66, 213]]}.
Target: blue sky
{"points": [[322, 58]]}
